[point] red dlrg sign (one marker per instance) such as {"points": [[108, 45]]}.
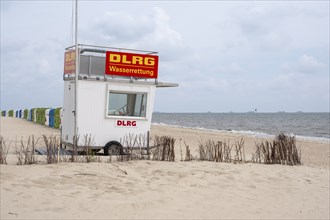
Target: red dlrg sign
{"points": [[131, 65], [70, 62], [125, 123]]}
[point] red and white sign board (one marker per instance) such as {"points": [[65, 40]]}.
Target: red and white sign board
{"points": [[131, 64], [70, 62]]}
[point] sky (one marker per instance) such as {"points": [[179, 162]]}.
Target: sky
{"points": [[226, 56]]}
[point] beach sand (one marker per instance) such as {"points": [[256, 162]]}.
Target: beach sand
{"points": [[147, 189]]}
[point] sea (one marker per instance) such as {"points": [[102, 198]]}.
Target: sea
{"points": [[309, 126]]}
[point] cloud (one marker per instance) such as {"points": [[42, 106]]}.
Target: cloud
{"points": [[32, 73], [274, 26], [253, 28], [206, 85], [151, 31], [303, 79], [43, 66], [308, 64], [162, 32], [224, 55], [298, 86], [305, 64], [121, 26], [229, 68], [235, 68], [148, 31]]}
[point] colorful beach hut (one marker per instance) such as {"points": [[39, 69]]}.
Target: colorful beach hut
{"points": [[51, 117], [26, 113], [11, 113]]}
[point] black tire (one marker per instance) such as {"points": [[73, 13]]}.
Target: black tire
{"points": [[113, 148]]}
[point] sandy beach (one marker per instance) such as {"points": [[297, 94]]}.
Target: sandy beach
{"points": [[147, 189]]}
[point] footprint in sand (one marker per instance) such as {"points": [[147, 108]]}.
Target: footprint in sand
{"points": [[251, 186], [115, 189], [27, 197], [195, 185], [160, 172], [231, 177], [236, 172]]}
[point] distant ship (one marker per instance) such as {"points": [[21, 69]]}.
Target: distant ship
{"points": [[255, 111]]}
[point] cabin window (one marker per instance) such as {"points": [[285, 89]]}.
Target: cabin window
{"points": [[127, 104]]}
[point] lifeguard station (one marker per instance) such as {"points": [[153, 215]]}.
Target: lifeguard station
{"points": [[111, 96]]}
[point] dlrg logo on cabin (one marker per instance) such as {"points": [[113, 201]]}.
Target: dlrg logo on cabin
{"points": [[131, 64], [125, 123], [134, 60]]}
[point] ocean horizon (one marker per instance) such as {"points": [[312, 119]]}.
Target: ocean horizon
{"points": [[306, 125]]}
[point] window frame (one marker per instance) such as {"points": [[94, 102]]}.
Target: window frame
{"points": [[126, 92]]}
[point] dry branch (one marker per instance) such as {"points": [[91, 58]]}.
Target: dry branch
{"points": [[282, 150], [4, 148], [163, 148]]}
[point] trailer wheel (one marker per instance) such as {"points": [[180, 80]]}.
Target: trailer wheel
{"points": [[113, 148]]}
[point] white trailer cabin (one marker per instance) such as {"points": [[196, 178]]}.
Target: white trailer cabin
{"points": [[108, 107]]}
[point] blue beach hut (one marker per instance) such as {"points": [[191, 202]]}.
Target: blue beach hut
{"points": [[51, 117], [30, 114]]}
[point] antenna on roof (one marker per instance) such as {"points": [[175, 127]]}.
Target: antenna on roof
{"points": [[77, 70], [72, 24]]}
